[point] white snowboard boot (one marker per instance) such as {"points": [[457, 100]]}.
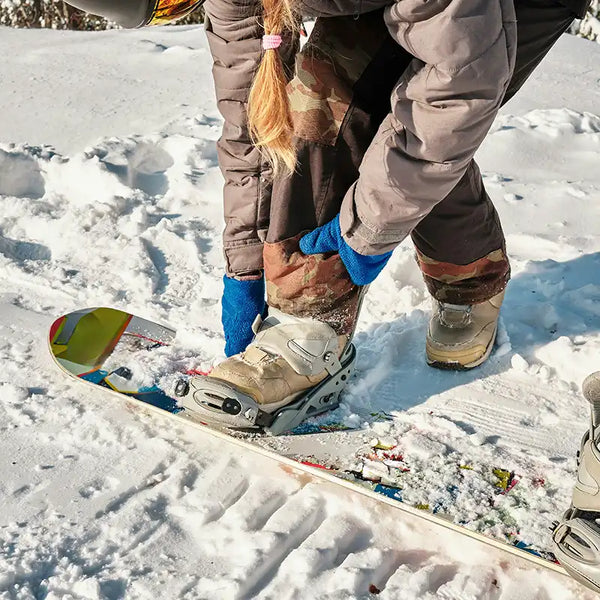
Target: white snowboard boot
{"points": [[462, 336], [577, 537], [295, 368]]}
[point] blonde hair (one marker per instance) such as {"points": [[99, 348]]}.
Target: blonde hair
{"points": [[269, 115]]}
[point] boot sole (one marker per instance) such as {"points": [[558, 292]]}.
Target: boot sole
{"points": [[458, 366]]}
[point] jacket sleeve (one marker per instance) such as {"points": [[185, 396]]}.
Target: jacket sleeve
{"points": [[234, 32], [442, 108]]}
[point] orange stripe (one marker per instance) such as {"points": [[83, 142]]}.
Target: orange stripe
{"points": [[89, 372]]}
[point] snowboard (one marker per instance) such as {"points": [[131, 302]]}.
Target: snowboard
{"points": [[121, 354]]}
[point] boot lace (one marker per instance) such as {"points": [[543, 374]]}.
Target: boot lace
{"points": [[454, 316]]}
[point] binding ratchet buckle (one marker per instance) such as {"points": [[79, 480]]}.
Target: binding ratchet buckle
{"points": [[577, 548]]}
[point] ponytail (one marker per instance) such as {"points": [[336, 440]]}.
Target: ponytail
{"points": [[269, 115]]}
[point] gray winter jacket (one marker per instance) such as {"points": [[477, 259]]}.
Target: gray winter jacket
{"points": [[441, 110]]}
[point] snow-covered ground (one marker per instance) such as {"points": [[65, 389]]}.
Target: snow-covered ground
{"points": [[110, 195]]}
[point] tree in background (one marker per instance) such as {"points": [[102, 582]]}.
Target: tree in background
{"points": [[46, 13], [590, 26]]}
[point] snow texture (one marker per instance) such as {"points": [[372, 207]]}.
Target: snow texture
{"points": [[110, 194]]}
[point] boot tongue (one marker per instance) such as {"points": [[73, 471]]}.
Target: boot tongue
{"points": [[454, 316], [255, 355]]}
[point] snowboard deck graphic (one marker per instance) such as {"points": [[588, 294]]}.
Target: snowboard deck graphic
{"points": [[112, 349]]}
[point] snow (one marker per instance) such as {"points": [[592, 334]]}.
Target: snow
{"points": [[110, 195]]}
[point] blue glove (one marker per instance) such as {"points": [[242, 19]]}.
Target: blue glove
{"points": [[328, 238], [241, 302]]}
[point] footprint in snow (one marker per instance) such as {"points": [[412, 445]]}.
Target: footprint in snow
{"points": [[138, 164], [22, 251], [20, 175]]}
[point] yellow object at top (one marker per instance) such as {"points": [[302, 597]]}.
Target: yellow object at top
{"points": [[88, 337], [165, 11]]}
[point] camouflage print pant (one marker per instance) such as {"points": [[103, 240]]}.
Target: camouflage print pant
{"points": [[339, 95]]}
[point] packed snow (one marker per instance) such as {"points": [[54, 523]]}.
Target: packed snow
{"points": [[110, 194]]}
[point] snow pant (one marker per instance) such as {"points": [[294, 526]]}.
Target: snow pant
{"points": [[339, 96]]}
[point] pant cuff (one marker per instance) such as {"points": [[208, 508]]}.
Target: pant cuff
{"points": [[316, 286], [472, 283]]}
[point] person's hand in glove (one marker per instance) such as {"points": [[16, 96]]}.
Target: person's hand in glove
{"points": [[242, 301], [328, 238]]}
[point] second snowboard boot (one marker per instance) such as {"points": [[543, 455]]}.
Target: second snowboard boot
{"points": [[462, 336]]}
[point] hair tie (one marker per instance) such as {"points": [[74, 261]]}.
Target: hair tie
{"points": [[271, 42]]}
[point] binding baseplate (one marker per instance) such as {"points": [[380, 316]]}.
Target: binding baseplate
{"points": [[307, 346], [215, 403]]}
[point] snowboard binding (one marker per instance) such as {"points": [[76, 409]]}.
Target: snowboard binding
{"points": [[577, 537], [302, 348]]}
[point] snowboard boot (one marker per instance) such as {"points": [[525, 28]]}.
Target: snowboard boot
{"points": [[577, 538], [295, 368], [462, 336]]}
